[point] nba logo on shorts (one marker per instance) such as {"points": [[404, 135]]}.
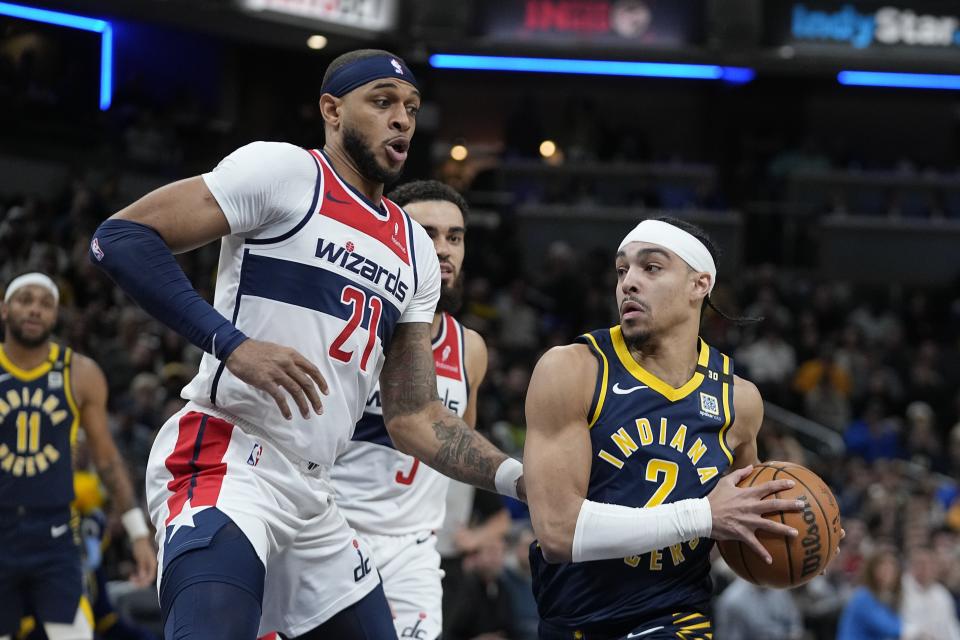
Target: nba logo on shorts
{"points": [[396, 66], [445, 354], [709, 405], [255, 455], [95, 248]]}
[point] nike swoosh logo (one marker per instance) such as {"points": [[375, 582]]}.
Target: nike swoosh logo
{"points": [[643, 633], [419, 541], [620, 391], [330, 197], [5, 376], [56, 532]]}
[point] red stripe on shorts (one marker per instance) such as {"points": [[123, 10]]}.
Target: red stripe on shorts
{"points": [[197, 465]]}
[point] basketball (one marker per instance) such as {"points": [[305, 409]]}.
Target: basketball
{"points": [[798, 560]]}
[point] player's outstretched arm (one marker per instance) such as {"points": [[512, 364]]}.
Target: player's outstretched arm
{"points": [[556, 455], [136, 246], [90, 390], [421, 426]]}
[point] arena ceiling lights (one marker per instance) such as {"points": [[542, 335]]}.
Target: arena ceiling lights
{"points": [[899, 80], [71, 21], [735, 75]]}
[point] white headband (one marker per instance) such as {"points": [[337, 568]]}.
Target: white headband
{"points": [[690, 250], [36, 278]]}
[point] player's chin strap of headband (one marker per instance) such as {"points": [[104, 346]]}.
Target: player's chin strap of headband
{"points": [[35, 278], [360, 72], [685, 245]]}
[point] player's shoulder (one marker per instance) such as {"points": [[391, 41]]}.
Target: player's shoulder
{"points": [[275, 158], [747, 403], [88, 377], [570, 362], [475, 348], [746, 390]]}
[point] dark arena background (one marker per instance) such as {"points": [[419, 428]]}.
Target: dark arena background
{"points": [[817, 142]]}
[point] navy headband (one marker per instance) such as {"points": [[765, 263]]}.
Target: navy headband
{"points": [[360, 72]]}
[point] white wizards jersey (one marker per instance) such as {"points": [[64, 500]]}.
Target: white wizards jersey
{"points": [[383, 491], [312, 265]]}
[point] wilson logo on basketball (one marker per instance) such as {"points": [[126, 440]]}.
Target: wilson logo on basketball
{"points": [[811, 541]]}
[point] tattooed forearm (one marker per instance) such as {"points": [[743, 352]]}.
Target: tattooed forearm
{"points": [[115, 479], [419, 424], [408, 382], [465, 454]]}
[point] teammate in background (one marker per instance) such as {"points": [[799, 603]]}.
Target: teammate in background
{"points": [[629, 431], [46, 392], [391, 499], [337, 287]]}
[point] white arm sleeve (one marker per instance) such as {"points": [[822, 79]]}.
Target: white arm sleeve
{"points": [[609, 531], [424, 303], [264, 184]]}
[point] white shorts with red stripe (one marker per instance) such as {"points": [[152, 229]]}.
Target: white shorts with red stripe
{"points": [[410, 569], [316, 565]]}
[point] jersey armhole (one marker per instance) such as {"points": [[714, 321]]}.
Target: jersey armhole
{"points": [[728, 412], [68, 392], [600, 387]]}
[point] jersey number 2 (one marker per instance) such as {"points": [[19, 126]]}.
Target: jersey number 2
{"points": [[359, 303]]}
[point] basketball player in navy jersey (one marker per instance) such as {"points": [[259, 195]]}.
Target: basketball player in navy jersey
{"points": [[46, 392], [629, 434]]}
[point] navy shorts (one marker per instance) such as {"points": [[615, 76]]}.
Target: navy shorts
{"points": [[688, 625], [40, 570]]}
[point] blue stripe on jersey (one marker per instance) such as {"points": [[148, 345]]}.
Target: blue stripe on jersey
{"points": [[317, 190], [371, 428], [313, 288], [462, 334], [197, 445], [413, 250]]}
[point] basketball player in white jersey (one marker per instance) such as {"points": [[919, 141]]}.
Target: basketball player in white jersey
{"points": [[323, 288], [390, 498]]}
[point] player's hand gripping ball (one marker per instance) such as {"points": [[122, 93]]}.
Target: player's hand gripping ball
{"points": [[797, 560]]}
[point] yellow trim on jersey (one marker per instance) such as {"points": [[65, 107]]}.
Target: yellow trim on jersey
{"points": [[726, 409], [670, 393], [68, 391], [87, 611], [29, 375], [106, 622], [692, 616], [603, 383]]}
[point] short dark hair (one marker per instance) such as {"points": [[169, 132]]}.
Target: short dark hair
{"points": [[352, 56], [424, 190], [697, 233]]}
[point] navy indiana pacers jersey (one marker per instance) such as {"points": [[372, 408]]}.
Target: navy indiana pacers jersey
{"points": [[652, 444], [38, 426]]}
